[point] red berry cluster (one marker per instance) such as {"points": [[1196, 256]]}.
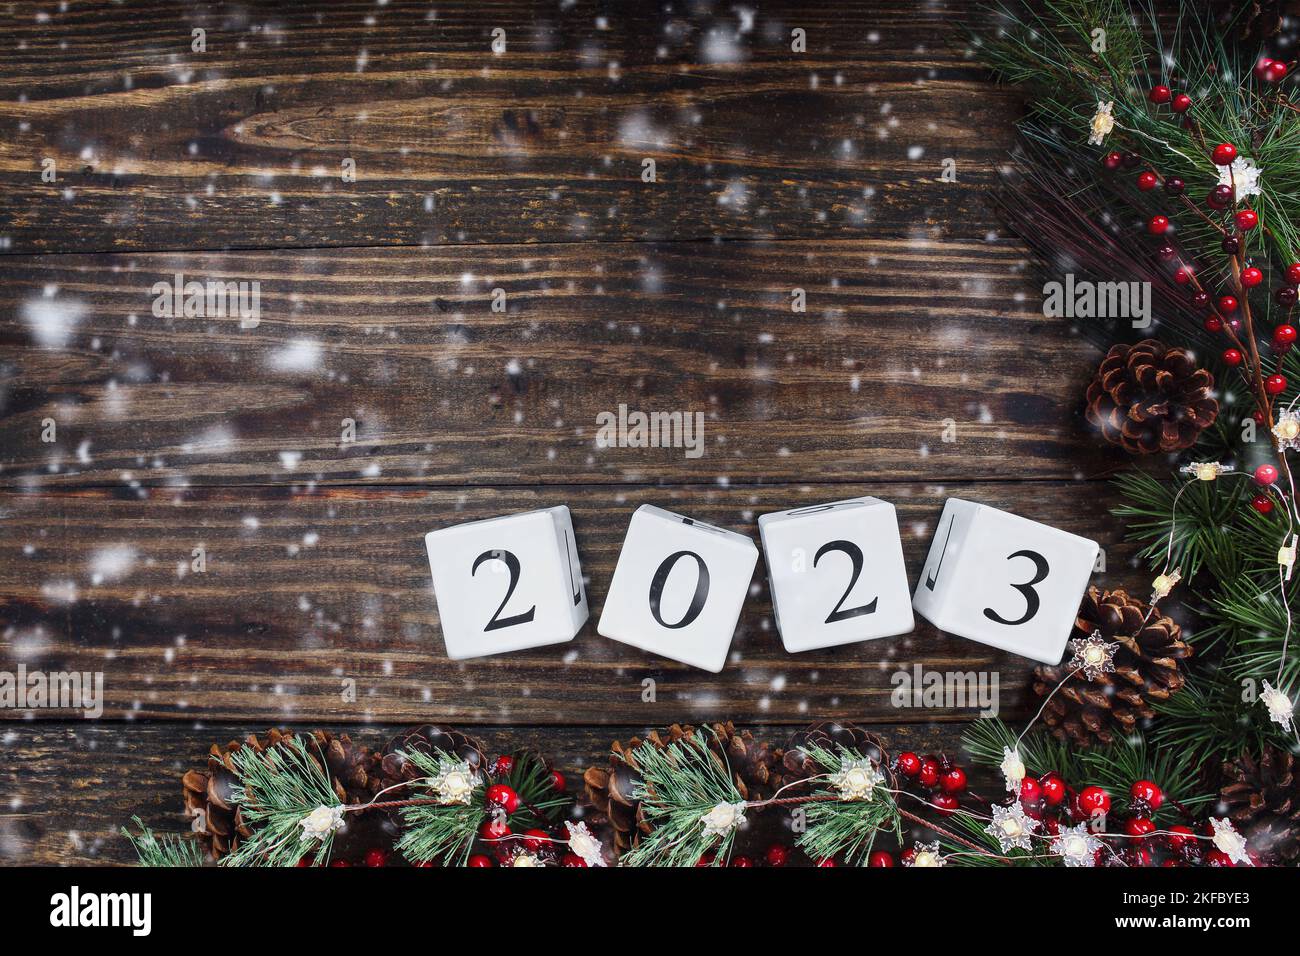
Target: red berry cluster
{"points": [[934, 772]]}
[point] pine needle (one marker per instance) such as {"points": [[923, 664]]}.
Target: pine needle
{"points": [[166, 851]]}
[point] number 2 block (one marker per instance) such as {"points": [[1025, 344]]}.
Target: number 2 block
{"points": [[1004, 580], [837, 573], [506, 584], [678, 588]]}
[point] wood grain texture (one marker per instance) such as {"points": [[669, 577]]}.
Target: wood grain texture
{"points": [[305, 589], [70, 787], [158, 147], [897, 340]]}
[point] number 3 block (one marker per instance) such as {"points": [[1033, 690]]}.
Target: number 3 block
{"points": [[1004, 580], [678, 588], [837, 573], [506, 584]]}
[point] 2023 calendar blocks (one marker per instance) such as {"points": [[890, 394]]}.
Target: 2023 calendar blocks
{"points": [[506, 584], [837, 573], [678, 588], [1004, 580]]}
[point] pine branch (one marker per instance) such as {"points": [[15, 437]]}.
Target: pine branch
{"points": [[439, 832], [846, 828], [167, 851], [680, 785]]}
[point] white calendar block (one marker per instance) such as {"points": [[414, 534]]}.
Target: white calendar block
{"points": [[836, 572], [678, 588], [1004, 580], [506, 584]]}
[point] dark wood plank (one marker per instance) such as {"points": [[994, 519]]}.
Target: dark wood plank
{"points": [[304, 589], [69, 787], [241, 146], [897, 340]]}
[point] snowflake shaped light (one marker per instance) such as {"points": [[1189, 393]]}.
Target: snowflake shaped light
{"points": [[1280, 709], [926, 854], [454, 782], [1229, 841], [1094, 655], [1243, 176], [1205, 470], [1286, 557], [1163, 584], [1286, 430], [584, 844], [321, 822], [856, 779], [1013, 769], [523, 857], [1102, 123], [1012, 828], [1076, 846]]}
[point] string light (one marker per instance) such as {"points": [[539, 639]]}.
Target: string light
{"points": [[1076, 846], [1094, 655], [1012, 828], [1280, 709], [926, 854]]}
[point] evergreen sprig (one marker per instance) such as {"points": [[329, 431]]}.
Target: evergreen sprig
{"points": [[435, 832], [845, 828], [680, 784], [171, 850], [277, 788]]}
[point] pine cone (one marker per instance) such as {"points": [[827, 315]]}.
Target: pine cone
{"points": [[1088, 712], [353, 770], [427, 739], [1254, 19], [757, 771], [1262, 797], [831, 736], [1151, 397]]}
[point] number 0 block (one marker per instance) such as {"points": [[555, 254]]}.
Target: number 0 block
{"points": [[837, 573], [1004, 580], [678, 588], [506, 584]]}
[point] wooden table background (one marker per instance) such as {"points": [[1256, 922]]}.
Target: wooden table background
{"points": [[521, 171]]}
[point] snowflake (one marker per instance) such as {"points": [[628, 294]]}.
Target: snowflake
{"points": [[1012, 828], [1243, 176], [1280, 708], [1093, 655], [856, 779], [1229, 841], [1076, 846], [926, 854]]}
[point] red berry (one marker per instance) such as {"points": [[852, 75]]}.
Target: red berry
{"points": [[1053, 788], [1181, 836], [777, 855], [557, 781], [1232, 357], [375, 857], [1251, 277], [1275, 384], [502, 765], [880, 858], [945, 803], [1160, 94], [500, 795], [1265, 475], [1275, 72], [1227, 304], [741, 862], [908, 855], [953, 780], [1293, 273], [1246, 220], [1158, 225], [535, 840], [1031, 791], [305, 861], [1224, 154], [1284, 335], [1220, 197], [1112, 161], [1262, 66], [1094, 800], [479, 862], [1145, 791], [1214, 324], [1285, 296], [1139, 856], [706, 860], [909, 764], [1183, 275], [1139, 827], [929, 774], [1262, 503], [494, 829], [829, 862], [1182, 103], [1147, 181], [573, 861]]}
